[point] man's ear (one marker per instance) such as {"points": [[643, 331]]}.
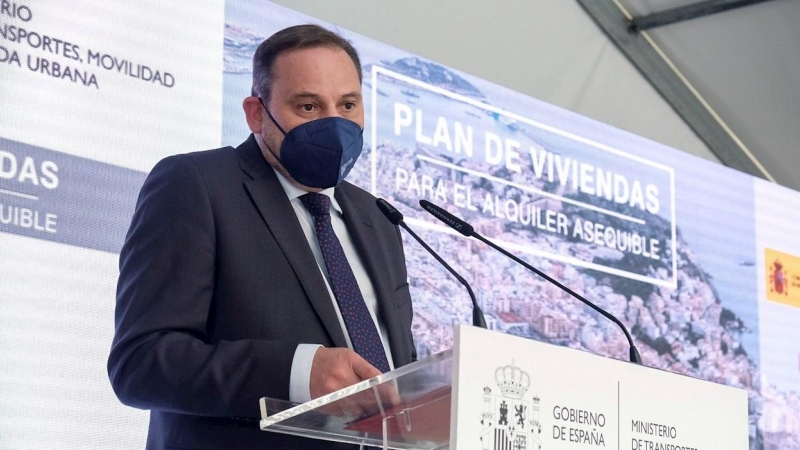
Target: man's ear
{"points": [[254, 113]]}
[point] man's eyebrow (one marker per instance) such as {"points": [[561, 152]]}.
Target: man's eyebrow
{"points": [[300, 95], [311, 95]]}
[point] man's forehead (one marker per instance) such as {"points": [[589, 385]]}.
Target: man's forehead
{"points": [[315, 73], [313, 58]]}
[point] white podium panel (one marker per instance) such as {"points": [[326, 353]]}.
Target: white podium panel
{"points": [[516, 394]]}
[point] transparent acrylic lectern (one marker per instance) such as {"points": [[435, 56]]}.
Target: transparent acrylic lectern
{"points": [[407, 408]]}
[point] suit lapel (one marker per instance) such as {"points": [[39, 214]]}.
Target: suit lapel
{"points": [[366, 241], [276, 210]]}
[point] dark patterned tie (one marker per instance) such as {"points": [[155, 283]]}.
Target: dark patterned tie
{"points": [[360, 326]]}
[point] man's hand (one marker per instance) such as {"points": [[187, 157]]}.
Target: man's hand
{"points": [[336, 368]]}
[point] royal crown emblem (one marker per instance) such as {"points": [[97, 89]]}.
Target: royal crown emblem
{"points": [[512, 381]]}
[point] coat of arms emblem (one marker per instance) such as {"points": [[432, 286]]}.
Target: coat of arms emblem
{"points": [[510, 418]]}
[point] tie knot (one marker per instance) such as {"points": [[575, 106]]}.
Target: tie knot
{"points": [[317, 204]]}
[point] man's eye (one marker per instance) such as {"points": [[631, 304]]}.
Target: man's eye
{"points": [[349, 106], [307, 107]]}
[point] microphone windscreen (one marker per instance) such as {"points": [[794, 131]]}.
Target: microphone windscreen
{"points": [[442, 214], [391, 213]]}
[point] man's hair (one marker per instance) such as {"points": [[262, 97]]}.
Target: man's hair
{"points": [[293, 38]]}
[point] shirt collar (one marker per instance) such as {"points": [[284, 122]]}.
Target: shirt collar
{"points": [[294, 192]]}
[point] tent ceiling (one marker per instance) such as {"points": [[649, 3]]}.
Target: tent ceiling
{"points": [[745, 63]]}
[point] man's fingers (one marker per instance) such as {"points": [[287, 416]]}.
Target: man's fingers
{"points": [[362, 368], [334, 369], [345, 407], [389, 394]]}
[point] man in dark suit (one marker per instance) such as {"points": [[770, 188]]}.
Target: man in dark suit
{"points": [[256, 272]]}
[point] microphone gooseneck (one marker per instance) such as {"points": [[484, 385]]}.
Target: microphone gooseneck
{"points": [[467, 230], [396, 217]]}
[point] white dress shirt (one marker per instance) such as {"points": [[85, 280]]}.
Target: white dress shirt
{"points": [[299, 389]]}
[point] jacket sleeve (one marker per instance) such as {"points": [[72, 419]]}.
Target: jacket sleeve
{"points": [[161, 356]]}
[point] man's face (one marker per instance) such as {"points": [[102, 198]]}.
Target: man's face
{"points": [[309, 84]]}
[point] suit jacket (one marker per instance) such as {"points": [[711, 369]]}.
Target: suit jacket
{"points": [[218, 286]]}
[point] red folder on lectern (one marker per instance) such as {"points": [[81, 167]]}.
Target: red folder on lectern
{"points": [[426, 418]]}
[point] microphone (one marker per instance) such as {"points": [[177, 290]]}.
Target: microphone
{"points": [[467, 230], [396, 217]]}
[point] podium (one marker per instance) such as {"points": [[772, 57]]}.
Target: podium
{"points": [[499, 392]]}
